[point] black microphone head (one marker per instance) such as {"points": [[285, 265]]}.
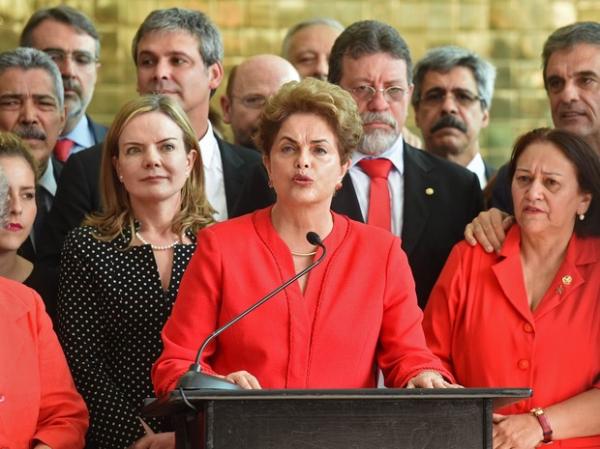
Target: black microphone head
{"points": [[313, 238]]}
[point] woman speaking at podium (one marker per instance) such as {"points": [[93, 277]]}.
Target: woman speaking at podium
{"points": [[353, 313]]}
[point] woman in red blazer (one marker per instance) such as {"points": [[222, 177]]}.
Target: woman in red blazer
{"points": [[39, 405], [354, 313], [528, 316]]}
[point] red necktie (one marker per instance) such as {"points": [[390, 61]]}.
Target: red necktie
{"points": [[379, 198], [63, 148]]}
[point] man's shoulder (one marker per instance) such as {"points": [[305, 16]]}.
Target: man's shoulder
{"points": [[446, 170], [91, 155]]}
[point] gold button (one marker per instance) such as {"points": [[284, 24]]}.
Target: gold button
{"points": [[429, 191], [567, 279]]}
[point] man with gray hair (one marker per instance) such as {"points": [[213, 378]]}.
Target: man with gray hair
{"points": [[452, 98], [307, 46], [571, 71], [422, 198], [177, 52], [32, 106], [73, 43]]}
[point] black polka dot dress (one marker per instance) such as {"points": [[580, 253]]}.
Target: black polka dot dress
{"points": [[111, 310]]}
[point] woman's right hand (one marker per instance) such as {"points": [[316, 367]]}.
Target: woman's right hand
{"points": [[155, 441], [244, 379]]}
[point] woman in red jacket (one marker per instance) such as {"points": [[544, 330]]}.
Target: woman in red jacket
{"points": [[354, 312], [39, 405], [528, 317]]}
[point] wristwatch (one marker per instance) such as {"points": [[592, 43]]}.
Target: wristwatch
{"points": [[538, 412]]}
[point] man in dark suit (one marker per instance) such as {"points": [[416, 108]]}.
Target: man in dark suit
{"points": [[179, 53], [71, 40], [452, 96], [32, 106], [430, 199]]}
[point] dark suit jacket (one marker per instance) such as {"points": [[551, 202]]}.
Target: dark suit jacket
{"points": [[79, 193], [501, 194], [432, 223]]}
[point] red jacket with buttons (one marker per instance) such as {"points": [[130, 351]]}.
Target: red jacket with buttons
{"points": [[38, 400], [479, 323]]}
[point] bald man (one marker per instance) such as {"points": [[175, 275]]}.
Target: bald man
{"points": [[248, 87]]}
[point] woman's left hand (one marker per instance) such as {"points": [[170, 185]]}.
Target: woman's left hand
{"points": [[521, 431], [41, 446], [430, 379], [164, 440]]}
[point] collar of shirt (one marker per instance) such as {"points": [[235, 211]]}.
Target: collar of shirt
{"points": [[478, 167], [395, 154], [214, 183], [81, 135], [47, 180]]}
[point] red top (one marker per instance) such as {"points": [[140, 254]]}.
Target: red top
{"points": [[479, 323], [38, 400], [359, 308]]}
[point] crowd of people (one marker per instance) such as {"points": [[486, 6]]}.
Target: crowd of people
{"points": [[126, 246]]}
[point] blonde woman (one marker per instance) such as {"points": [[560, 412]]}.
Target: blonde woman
{"points": [[121, 269]]}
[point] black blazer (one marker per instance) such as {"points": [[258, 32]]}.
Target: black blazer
{"points": [[501, 194], [432, 224], [78, 193]]}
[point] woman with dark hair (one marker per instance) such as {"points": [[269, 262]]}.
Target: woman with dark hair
{"points": [[120, 271], [39, 405], [528, 316], [353, 313]]}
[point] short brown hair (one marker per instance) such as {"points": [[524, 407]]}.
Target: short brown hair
{"points": [[585, 160], [195, 211], [321, 98], [12, 145]]}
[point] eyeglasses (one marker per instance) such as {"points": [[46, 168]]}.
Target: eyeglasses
{"points": [[253, 101], [79, 57], [364, 92], [436, 97]]}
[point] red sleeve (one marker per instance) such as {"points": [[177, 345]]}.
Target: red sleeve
{"points": [[403, 353], [63, 416], [441, 309], [194, 315]]}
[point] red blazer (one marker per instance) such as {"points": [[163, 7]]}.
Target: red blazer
{"points": [[358, 310], [38, 399], [479, 323]]}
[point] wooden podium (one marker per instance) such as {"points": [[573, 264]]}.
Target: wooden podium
{"points": [[335, 419]]}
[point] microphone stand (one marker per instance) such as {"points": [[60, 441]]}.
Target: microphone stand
{"points": [[194, 378]]}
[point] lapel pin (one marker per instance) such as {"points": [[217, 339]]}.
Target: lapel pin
{"points": [[567, 279], [429, 191]]}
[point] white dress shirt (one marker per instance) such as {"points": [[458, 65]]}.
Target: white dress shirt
{"points": [[81, 136], [362, 183], [478, 167], [214, 183]]}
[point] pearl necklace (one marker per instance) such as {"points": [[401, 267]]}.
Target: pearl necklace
{"points": [[294, 253], [156, 247]]}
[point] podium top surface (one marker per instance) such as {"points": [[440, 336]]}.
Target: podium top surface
{"points": [[176, 402]]}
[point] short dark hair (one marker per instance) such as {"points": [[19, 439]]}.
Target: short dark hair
{"points": [[367, 37], [587, 166], [567, 37], [198, 24], [444, 59], [63, 14]]}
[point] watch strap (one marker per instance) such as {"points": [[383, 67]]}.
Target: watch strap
{"points": [[542, 418]]}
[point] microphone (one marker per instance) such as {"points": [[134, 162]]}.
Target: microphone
{"points": [[194, 379]]}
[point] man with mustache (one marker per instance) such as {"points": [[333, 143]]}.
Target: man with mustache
{"points": [[71, 40], [249, 86], [452, 98], [571, 71], [177, 52], [420, 197], [32, 106]]}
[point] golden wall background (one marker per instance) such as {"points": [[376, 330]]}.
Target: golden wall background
{"points": [[510, 33]]}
